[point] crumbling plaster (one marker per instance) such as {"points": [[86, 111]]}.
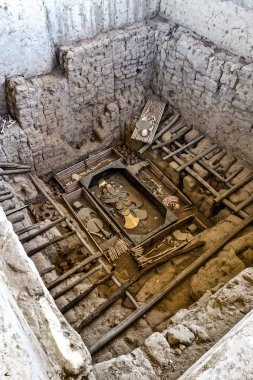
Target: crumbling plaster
{"points": [[228, 23]]}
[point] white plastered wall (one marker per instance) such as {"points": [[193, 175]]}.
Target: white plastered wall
{"points": [[228, 23]]}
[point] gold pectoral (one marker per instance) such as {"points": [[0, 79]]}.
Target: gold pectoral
{"points": [[130, 220]]}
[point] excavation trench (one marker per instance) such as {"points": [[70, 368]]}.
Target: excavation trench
{"points": [[121, 239]]}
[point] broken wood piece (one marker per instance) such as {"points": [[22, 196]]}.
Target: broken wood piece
{"points": [[47, 227], [6, 198], [76, 282], [18, 171], [84, 294], [48, 243], [8, 213], [196, 158], [26, 229], [179, 150], [234, 188], [74, 270], [46, 270], [115, 331], [174, 138], [13, 165]]}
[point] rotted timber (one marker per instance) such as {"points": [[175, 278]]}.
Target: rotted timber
{"points": [[84, 294], [174, 138], [74, 270], [177, 280], [47, 227], [46, 270], [48, 243], [236, 187], [76, 282]]}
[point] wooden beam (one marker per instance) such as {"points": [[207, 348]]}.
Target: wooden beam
{"points": [[47, 227], [84, 294], [179, 150], [46, 270], [236, 187], [32, 252], [177, 280], [174, 138], [244, 203], [72, 271], [196, 158], [76, 282]]}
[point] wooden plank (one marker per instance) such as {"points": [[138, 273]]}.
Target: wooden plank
{"points": [[196, 158], [47, 227], [72, 271], [179, 150], [76, 282], [32, 252], [236, 187], [115, 331], [173, 138]]}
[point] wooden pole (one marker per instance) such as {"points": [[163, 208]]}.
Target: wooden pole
{"points": [[7, 213], [233, 189], [72, 271], [177, 280], [118, 293], [196, 158], [84, 294], [47, 227], [179, 150], [17, 171], [174, 138], [48, 243], [46, 270], [76, 282]]}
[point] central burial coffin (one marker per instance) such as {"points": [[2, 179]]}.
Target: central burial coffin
{"points": [[128, 203]]}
